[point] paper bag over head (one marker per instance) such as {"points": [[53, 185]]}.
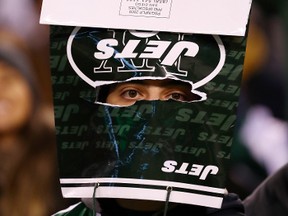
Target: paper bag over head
{"points": [[220, 17]]}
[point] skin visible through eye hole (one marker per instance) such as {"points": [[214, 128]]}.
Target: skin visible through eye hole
{"points": [[127, 93]]}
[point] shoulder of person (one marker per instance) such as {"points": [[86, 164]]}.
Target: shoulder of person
{"points": [[232, 206], [271, 196]]}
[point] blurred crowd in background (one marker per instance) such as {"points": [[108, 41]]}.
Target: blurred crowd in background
{"points": [[261, 139], [29, 182], [28, 164]]}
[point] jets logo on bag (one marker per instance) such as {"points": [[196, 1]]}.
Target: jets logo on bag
{"points": [[103, 54]]}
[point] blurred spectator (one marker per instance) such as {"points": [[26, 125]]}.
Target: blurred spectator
{"points": [[28, 179], [264, 131]]}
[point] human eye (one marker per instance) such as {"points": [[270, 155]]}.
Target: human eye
{"points": [[181, 93], [131, 94], [178, 96]]}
